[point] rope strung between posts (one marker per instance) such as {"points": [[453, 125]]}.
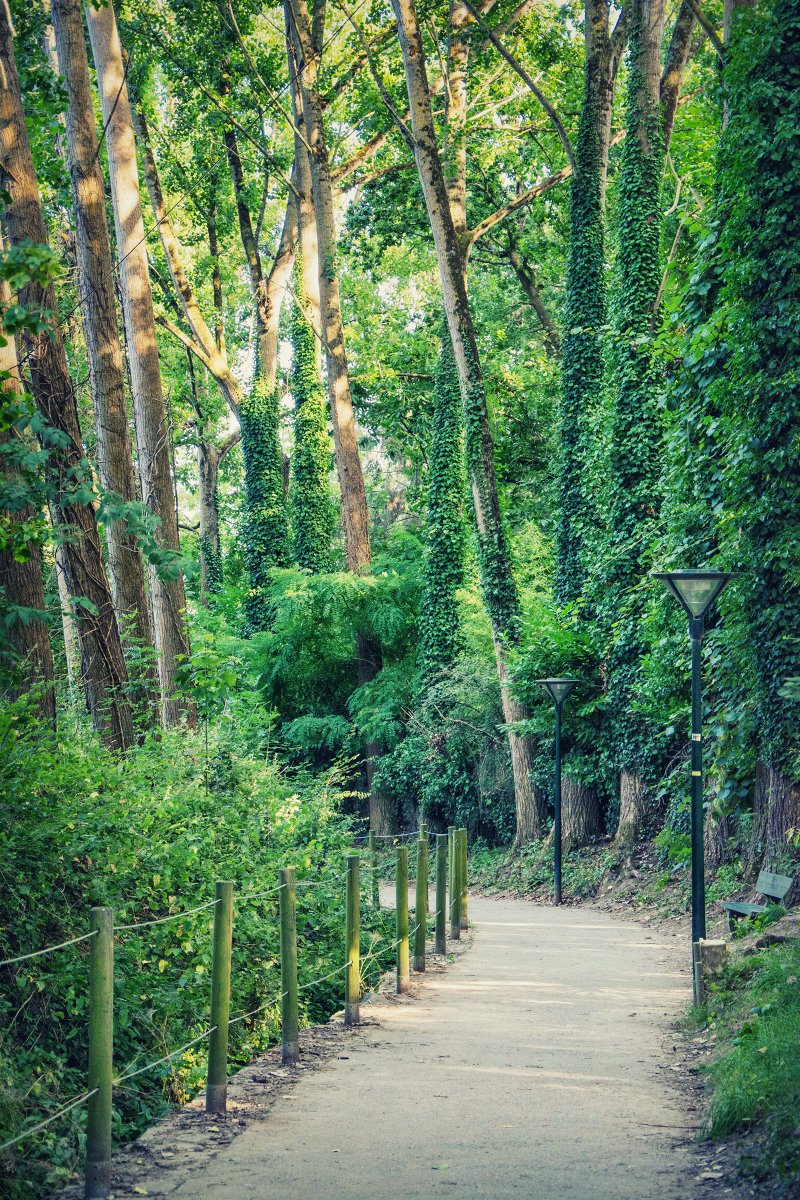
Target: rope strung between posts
{"points": [[141, 1070], [163, 920], [260, 895], [43, 1124], [7, 962], [282, 995]]}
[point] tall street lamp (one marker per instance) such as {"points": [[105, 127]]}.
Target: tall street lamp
{"points": [[696, 591], [558, 690]]}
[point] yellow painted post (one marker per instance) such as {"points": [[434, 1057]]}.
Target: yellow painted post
{"points": [[401, 919], [441, 893], [463, 863], [421, 902], [352, 977], [101, 1048], [217, 1083], [455, 902], [290, 1037]]}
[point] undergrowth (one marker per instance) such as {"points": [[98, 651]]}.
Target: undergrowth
{"points": [[148, 835], [754, 1008], [530, 869]]}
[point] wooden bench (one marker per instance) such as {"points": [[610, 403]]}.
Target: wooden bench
{"points": [[768, 884]]}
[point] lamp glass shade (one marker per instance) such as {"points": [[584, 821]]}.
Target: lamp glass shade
{"points": [[696, 591], [559, 689]]}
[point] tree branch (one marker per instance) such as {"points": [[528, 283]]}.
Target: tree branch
{"points": [[527, 79], [713, 36], [525, 198]]}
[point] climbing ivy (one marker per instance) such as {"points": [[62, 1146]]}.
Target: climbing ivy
{"points": [[635, 423], [439, 632], [582, 354], [737, 433], [265, 526], [311, 502], [491, 542], [212, 561]]}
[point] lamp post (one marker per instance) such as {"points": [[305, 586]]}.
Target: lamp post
{"points": [[558, 690], [696, 591]]}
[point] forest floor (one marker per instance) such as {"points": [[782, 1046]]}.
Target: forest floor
{"points": [[544, 1061]]}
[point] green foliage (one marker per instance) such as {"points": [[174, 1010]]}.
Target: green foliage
{"points": [[310, 496], [439, 633], [635, 435], [755, 1011], [265, 530], [143, 835], [582, 354]]}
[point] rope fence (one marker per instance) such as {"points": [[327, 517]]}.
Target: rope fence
{"points": [[450, 877]]}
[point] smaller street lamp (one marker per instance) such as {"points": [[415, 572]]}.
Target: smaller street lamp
{"points": [[696, 591], [558, 690]]}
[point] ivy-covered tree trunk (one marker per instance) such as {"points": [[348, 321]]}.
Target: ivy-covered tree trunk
{"points": [[208, 459], [756, 394], [497, 579], [102, 661], [167, 593], [27, 637], [310, 493], [635, 435], [440, 637], [266, 529], [99, 311], [582, 349]]}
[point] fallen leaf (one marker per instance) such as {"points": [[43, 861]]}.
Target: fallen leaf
{"points": [[441, 1167]]}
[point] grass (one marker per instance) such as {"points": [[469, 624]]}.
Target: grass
{"points": [[754, 1009]]}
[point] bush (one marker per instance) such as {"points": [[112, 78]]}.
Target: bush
{"points": [[147, 837]]}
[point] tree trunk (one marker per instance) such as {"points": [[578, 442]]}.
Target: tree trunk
{"points": [[582, 358], [355, 513], [167, 595], [677, 57], [208, 348], [498, 584], [581, 814], [717, 833], [96, 282], [304, 67], [208, 460], [71, 650], [632, 808], [776, 810], [102, 661], [22, 583]]}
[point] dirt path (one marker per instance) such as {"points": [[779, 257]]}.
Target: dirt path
{"points": [[532, 1067]]}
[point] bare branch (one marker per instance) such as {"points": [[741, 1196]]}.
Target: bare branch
{"points": [[528, 80]]}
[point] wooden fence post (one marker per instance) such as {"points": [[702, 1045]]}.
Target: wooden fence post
{"points": [[101, 1050], [401, 919], [290, 1047], [352, 993], [421, 902], [455, 901], [425, 840], [217, 1083], [441, 893], [373, 867], [463, 865]]}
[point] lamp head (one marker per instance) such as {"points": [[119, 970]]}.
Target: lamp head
{"points": [[559, 689], [695, 591]]}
